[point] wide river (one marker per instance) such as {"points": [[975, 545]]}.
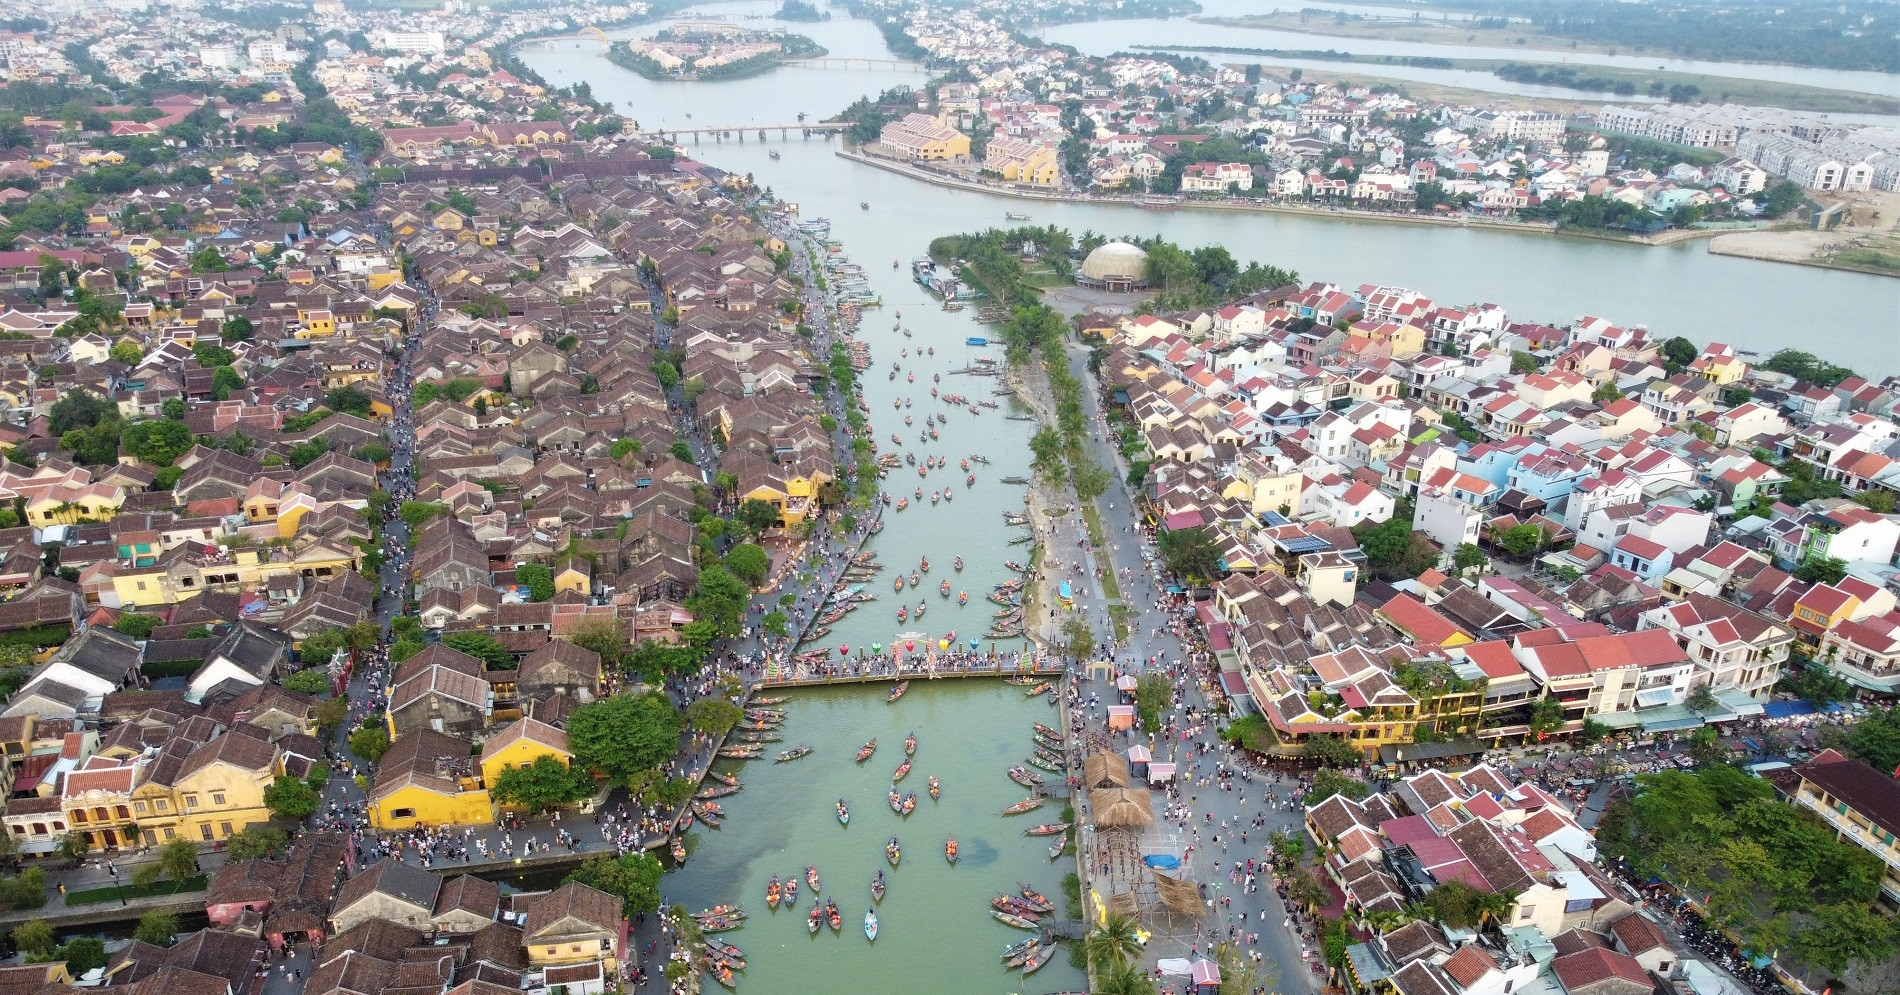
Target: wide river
{"points": [[936, 935], [1674, 290]]}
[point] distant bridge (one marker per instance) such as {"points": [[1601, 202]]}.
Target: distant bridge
{"points": [[589, 33], [720, 133], [846, 62], [806, 675]]}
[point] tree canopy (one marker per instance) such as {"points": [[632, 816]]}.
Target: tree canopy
{"points": [[624, 735]]}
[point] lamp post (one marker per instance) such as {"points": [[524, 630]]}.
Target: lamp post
{"points": [[113, 869]]}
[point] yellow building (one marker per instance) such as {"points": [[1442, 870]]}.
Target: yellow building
{"points": [[184, 571], [315, 322], [428, 779], [1018, 161], [572, 931], [205, 794], [920, 136], [68, 503], [520, 744]]}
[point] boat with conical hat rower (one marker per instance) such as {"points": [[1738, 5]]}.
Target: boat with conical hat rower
{"points": [[902, 771], [816, 920], [897, 802], [832, 914], [844, 813], [865, 751], [773, 892], [950, 850], [910, 745], [877, 887], [791, 891], [935, 788], [811, 878]]}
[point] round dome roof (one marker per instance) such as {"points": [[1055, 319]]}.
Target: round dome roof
{"points": [[1116, 261]]}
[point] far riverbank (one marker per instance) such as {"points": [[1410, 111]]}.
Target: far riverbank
{"points": [[1265, 207]]}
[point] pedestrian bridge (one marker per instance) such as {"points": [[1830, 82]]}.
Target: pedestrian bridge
{"points": [[854, 672], [847, 62], [721, 132]]}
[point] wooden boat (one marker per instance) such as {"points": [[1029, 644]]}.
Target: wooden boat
{"points": [[728, 951], [791, 891], [865, 751], [711, 792], [902, 771], [1026, 805], [877, 887], [892, 853], [732, 912], [793, 754], [1046, 731], [910, 803], [773, 892], [832, 914], [811, 878], [1047, 829], [1039, 958], [1055, 852], [1014, 906], [897, 691], [897, 802], [1032, 898], [721, 974], [1025, 777], [950, 850], [1043, 764], [1020, 949], [723, 778], [708, 812], [963, 598], [815, 921], [741, 751], [958, 562], [844, 813], [1014, 920], [770, 701], [910, 745], [870, 925], [679, 850], [935, 788], [1042, 688], [719, 925]]}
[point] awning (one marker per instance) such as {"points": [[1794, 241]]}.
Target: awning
{"points": [[1139, 755], [1654, 697], [1671, 724], [1430, 751], [1787, 709], [1121, 716], [1125, 682], [1159, 772], [1740, 702], [1205, 972]]}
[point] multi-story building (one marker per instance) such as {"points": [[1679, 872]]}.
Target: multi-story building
{"points": [[1861, 805]]}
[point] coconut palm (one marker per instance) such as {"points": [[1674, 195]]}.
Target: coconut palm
{"points": [[1124, 981], [1113, 944]]}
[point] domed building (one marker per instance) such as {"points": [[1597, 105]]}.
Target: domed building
{"points": [[1116, 267]]}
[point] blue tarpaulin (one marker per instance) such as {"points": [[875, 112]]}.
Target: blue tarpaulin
{"points": [[1786, 709], [1166, 862]]}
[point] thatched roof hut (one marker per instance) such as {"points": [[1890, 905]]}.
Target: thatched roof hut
{"points": [[1119, 808], [1104, 770]]}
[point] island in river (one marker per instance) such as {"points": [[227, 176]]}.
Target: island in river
{"points": [[702, 51]]}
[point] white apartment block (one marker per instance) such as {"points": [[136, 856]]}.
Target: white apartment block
{"points": [[413, 42]]}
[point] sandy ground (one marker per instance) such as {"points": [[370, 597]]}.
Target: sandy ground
{"points": [[1780, 246]]}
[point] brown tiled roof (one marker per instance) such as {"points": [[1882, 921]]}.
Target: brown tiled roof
{"points": [[1468, 965], [1600, 970], [591, 906], [1864, 789]]}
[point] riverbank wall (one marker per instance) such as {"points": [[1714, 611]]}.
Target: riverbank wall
{"points": [[1293, 210]]}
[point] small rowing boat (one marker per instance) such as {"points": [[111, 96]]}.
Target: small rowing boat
{"points": [[910, 745], [934, 788], [773, 892], [877, 887], [1026, 805], [897, 802], [1017, 921], [870, 925], [892, 853], [844, 813], [816, 920], [950, 850], [1025, 777], [865, 751], [902, 771], [793, 754], [831, 914], [811, 878], [1031, 898], [897, 691], [791, 891], [1039, 958], [1047, 829]]}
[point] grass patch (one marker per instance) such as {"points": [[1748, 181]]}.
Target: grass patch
{"points": [[110, 893], [1884, 260], [1117, 612]]}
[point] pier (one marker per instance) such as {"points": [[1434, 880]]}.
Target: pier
{"points": [[720, 133]]}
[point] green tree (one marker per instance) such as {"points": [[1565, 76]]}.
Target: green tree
{"points": [[1114, 944], [622, 448], [416, 513], [1190, 554], [635, 877], [655, 661], [1522, 540], [255, 842], [624, 735], [349, 399], [682, 451], [237, 329], [1876, 739], [483, 647], [713, 716], [749, 562], [137, 625], [720, 600], [1078, 637], [1468, 557], [290, 798], [1328, 782], [370, 742], [1154, 695], [539, 581], [1607, 392], [756, 516], [1679, 351], [1331, 751], [1523, 362], [1821, 570], [157, 927], [775, 624], [34, 936], [1547, 716], [178, 858], [82, 954], [128, 353], [542, 786]]}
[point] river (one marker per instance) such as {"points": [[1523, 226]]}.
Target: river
{"points": [[1675, 290], [936, 917]]}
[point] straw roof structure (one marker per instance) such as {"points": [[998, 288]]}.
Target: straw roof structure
{"points": [[1120, 808], [1104, 770], [1181, 896]]}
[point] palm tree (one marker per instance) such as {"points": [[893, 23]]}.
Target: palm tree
{"points": [[1124, 981], [1115, 943]]}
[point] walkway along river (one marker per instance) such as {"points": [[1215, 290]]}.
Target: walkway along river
{"points": [[1675, 290]]}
